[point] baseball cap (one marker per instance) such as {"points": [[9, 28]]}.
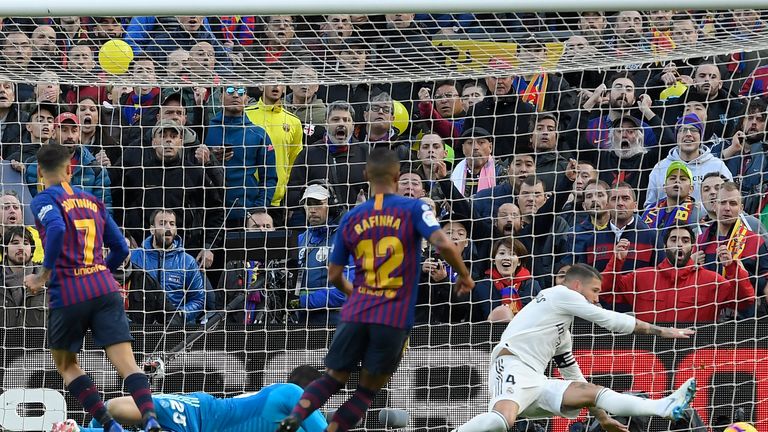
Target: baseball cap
{"points": [[619, 121], [170, 94], [168, 124], [315, 191], [66, 117], [679, 166], [690, 119], [476, 132]]}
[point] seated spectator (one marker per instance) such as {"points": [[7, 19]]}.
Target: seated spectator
{"points": [[16, 54], [508, 284], [93, 136], [479, 169], [47, 90], [11, 215], [181, 32], [178, 65], [678, 206], [284, 129], [19, 308], [629, 34], [305, 104], [578, 50], [402, 40], [660, 32], [731, 232], [202, 63], [319, 301], [167, 268], [444, 112], [245, 149], [11, 119], [593, 27], [259, 220], [579, 174], [690, 151], [431, 156], [104, 29], [677, 291]]}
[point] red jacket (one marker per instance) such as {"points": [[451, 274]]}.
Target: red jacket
{"points": [[691, 294]]}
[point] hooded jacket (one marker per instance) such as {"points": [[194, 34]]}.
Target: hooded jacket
{"points": [[705, 163], [317, 292], [689, 294], [312, 117], [250, 175], [177, 273], [86, 174]]}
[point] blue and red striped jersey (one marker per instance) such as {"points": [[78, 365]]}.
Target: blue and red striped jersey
{"points": [[384, 236], [79, 271]]}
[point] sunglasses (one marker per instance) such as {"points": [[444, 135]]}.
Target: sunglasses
{"points": [[232, 90]]}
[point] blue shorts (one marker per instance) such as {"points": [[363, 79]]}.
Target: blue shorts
{"points": [[379, 348], [104, 316]]}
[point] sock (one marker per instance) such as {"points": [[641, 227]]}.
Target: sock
{"points": [[137, 385], [316, 393], [86, 392], [488, 422], [627, 405], [351, 411]]}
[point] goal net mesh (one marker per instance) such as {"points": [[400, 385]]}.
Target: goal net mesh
{"points": [[228, 148]]}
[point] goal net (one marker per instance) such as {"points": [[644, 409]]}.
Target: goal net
{"points": [[228, 148]]}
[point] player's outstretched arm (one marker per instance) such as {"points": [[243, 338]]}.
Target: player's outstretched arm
{"points": [[642, 327], [448, 250]]}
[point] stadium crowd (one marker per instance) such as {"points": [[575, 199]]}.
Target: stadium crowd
{"points": [[653, 173]]}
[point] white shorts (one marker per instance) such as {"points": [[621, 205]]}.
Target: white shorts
{"points": [[537, 395]]}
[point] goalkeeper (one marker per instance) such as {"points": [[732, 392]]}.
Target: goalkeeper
{"points": [[201, 412]]}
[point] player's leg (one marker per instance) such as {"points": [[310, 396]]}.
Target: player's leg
{"points": [[580, 394], [343, 356], [503, 414], [110, 330], [386, 346]]}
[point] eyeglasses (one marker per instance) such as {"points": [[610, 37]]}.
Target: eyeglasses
{"points": [[446, 96], [232, 90], [380, 109]]}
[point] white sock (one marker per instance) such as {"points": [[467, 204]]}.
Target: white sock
{"points": [[488, 422], [627, 405]]}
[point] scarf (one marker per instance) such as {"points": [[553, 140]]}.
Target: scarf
{"points": [[135, 104], [509, 288], [738, 239], [487, 178], [253, 296], [534, 91], [336, 149], [659, 216], [662, 42]]}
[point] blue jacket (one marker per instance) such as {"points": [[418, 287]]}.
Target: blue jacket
{"points": [[316, 292], [486, 203], [141, 31], [177, 272], [88, 175], [595, 246], [250, 175]]}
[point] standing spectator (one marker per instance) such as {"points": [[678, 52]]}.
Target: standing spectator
{"points": [[319, 300], [87, 172], [140, 107], [202, 62], [677, 206], [338, 159], [20, 307], [578, 51], [378, 127], [47, 90], [284, 129], [11, 215], [472, 93], [660, 32], [677, 290], [334, 29], [479, 170], [304, 103], [592, 26], [444, 113], [164, 262], [82, 65], [93, 136], [411, 185], [544, 142], [629, 34], [105, 29], [11, 119], [278, 47], [690, 151], [710, 191], [431, 157], [16, 53], [248, 156], [46, 55], [39, 129], [488, 202]]}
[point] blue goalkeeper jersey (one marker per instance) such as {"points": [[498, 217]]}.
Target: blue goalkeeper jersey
{"points": [[253, 412]]}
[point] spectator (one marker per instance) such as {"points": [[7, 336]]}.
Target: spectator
{"points": [[378, 127], [629, 34], [93, 136], [740, 64], [487, 202], [509, 283], [339, 159], [690, 152], [20, 308], [319, 300], [168, 176], [165, 265], [278, 48], [544, 142], [178, 65], [351, 59], [181, 32], [11, 119], [334, 30], [569, 202], [247, 154], [710, 189], [80, 64], [677, 291], [678, 206], [445, 24], [446, 115], [402, 41], [660, 32], [39, 129], [11, 215], [71, 32], [105, 29], [284, 129], [47, 90], [410, 184], [178, 105], [16, 52], [304, 103], [140, 107], [479, 170], [593, 26], [472, 93], [731, 231], [579, 51], [259, 220], [431, 158], [86, 171], [46, 55]]}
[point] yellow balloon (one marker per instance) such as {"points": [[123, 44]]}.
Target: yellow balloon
{"points": [[115, 57], [402, 117]]}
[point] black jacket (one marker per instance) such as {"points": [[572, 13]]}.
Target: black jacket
{"points": [[10, 140], [507, 119]]}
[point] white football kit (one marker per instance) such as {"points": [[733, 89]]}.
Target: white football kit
{"points": [[539, 333]]}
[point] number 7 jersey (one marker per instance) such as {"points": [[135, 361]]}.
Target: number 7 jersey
{"points": [[79, 272], [384, 236]]}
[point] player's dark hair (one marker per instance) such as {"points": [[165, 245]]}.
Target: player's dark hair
{"points": [[16, 231], [52, 156], [381, 163], [303, 375], [686, 227], [583, 273]]}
